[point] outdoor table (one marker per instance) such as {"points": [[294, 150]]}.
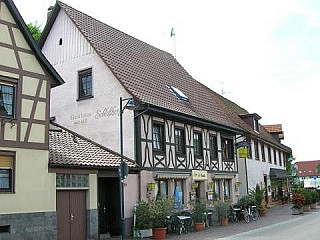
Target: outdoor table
{"points": [[182, 226]]}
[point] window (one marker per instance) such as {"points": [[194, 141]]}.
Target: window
{"points": [[170, 187], [158, 137], [85, 84], [179, 141], [72, 180], [213, 147], [6, 171], [263, 156], [7, 97], [269, 155], [280, 159], [197, 143], [178, 189], [227, 149], [255, 125], [275, 157], [227, 189], [217, 189], [178, 93], [249, 150], [161, 188], [256, 150]]}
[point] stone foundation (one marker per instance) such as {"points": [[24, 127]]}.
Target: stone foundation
{"points": [[29, 226]]}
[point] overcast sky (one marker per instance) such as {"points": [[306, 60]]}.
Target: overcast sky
{"points": [[265, 55]]}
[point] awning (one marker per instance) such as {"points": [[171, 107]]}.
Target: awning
{"points": [[279, 173], [223, 176], [168, 175]]}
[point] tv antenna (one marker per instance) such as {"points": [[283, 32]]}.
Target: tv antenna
{"points": [[173, 35], [222, 90]]}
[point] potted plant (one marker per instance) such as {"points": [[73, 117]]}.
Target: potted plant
{"points": [[307, 194], [314, 197], [160, 209], [222, 210], [142, 220], [258, 195], [247, 200], [298, 200], [198, 209], [285, 199]]}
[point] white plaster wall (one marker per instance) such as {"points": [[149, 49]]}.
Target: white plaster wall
{"points": [[35, 188], [131, 194], [96, 118]]}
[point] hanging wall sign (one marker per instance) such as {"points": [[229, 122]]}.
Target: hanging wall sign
{"points": [[243, 152], [199, 175]]}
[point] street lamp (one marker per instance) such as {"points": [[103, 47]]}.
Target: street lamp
{"points": [[123, 168]]}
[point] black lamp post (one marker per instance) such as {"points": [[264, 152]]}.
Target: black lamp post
{"points": [[123, 168]]}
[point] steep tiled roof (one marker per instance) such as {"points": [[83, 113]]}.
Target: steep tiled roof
{"points": [[68, 148], [274, 128], [56, 78], [233, 110], [307, 168], [145, 71]]}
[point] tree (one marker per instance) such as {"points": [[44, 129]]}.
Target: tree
{"points": [[289, 163], [318, 167], [35, 30]]}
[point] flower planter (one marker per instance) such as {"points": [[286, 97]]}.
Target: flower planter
{"points": [[262, 212], [313, 206], [306, 208], [159, 233], [143, 233], [296, 211], [198, 227], [224, 222]]}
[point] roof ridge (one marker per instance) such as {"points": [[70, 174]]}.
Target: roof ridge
{"points": [[62, 4]]}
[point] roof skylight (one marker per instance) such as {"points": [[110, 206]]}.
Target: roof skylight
{"points": [[178, 93]]}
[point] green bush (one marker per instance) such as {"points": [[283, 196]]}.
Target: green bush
{"points": [[257, 194], [159, 210], [247, 200], [198, 209], [143, 216], [222, 210]]}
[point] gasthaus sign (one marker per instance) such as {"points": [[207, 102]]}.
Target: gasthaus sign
{"points": [[199, 175]]}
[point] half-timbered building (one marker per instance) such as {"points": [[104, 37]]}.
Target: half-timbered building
{"points": [[27, 189], [180, 136], [266, 159]]}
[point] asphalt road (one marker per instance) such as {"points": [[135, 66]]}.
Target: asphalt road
{"points": [[306, 227]]}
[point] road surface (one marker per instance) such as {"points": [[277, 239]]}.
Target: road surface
{"points": [[306, 227]]}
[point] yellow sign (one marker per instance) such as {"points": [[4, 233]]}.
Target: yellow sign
{"points": [[199, 175], [243, 152]]}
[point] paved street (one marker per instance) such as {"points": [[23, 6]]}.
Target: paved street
{"points": [[306, 227], [278, 224]]}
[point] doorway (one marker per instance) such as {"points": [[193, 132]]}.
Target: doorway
{"points": [[109, 206], [71, 215]]}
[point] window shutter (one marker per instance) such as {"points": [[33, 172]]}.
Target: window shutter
{"points": [[6, 161]]}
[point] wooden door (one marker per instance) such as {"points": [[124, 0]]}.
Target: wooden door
{"points": [[71, 215]]}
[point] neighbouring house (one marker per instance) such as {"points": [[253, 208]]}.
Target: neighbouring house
{"points": [[27, 188], [77, 162], [265, 162], [180, 136], [307, 172]]}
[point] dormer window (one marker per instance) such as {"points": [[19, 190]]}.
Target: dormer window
{"points": [[178, 93], [255, 125], [252, 119]]}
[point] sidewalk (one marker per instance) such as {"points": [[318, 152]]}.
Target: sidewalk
{"points": [[274, 215]]}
